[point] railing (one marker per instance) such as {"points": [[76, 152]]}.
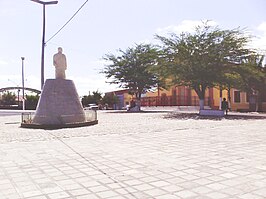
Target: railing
{"points": [[173, 101], [27, 117], [91, 115]]}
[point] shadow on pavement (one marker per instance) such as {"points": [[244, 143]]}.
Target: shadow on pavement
{"points": [[232, 116], [149, 111]]}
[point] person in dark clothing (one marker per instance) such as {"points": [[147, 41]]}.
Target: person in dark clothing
{"points": [[225, 106], [132, 104]]}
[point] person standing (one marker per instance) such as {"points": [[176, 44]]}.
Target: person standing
{"points": [[225, 106]]}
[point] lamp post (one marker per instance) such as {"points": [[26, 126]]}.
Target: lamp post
{"points": [[18, 97], [43, 36], [23, 93]]}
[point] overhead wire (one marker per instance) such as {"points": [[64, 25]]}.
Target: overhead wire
{"points": [[67, 21]]}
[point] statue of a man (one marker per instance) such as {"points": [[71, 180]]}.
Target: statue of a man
{"points": [[60, 64]]}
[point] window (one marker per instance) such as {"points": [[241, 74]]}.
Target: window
{"points": [[237, 96]]}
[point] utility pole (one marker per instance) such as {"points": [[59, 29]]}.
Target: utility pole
{"points": [[43, 36], [23, 86]]}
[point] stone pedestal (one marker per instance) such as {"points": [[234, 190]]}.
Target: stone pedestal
{"points": [[59, 104]]}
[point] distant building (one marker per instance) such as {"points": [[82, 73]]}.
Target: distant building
{"points": [[123, 96], [184, 96]]}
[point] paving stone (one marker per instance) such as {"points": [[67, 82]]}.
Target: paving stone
{"points": [[216, 186], [186, 194], [168, 196], [58, 195], [31, 193], [155, 192], [143, 187], [88, 196], [157, 158], [261, 192], [217, 195], [202, 190], [250, 195], [107, 194], [38, 197], [79, 192], [98, 189], [160, 183]]}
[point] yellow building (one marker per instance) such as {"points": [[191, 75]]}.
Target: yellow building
{"points": [[184, 96], [242, 101], [123, 96]]}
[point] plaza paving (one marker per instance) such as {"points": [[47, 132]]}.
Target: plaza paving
{"points": [[135, 155]]}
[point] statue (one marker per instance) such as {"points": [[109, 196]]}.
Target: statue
{"points": [[60, 64]]}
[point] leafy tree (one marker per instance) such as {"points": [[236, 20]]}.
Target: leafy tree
{"points": [[202, 59], [87, 99], [252, 76], [110, 100], [31, 101], [8, 98], [131, 69], [95, 98]]}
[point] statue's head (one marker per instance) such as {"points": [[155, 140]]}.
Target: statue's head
{"points": [[60, 50]]}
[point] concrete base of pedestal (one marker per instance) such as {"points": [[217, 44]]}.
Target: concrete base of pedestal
{"points": [[58, 126], [59, 104]]}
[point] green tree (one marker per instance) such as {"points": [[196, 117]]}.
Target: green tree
{"points": [[110, 99], [87, 99], [202, 59], [31, 101], [8, 98], [131, 69], [95, 98], [252, 77]]}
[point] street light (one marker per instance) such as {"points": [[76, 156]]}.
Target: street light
{"points": [[23, 93], [43, 36]]}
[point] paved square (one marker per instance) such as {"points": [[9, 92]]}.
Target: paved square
{"points": [[135, 155]]}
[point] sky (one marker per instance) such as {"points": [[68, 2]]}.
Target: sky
{"points": [[102, 27]]}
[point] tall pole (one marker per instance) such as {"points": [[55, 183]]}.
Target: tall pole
{"points": [[44, 3], [23, 93], [43, 45], [18, 97]]}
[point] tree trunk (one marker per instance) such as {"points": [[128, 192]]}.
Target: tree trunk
{"points": [[229, 98], [201, 103], [200, 90], [221, 98], [138, 101], [259, 101]]}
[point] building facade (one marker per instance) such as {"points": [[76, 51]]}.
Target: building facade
{"points": [[185, 96]]}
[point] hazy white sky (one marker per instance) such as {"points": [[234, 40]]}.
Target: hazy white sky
{"points": [[103, 26]]}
